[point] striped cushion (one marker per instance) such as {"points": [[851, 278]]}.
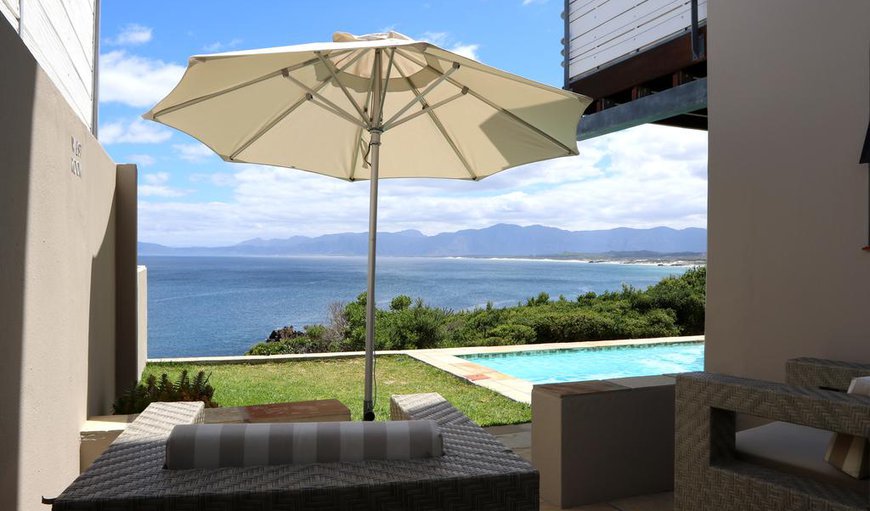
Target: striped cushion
{"points": [[238, 445], [849, 453]]}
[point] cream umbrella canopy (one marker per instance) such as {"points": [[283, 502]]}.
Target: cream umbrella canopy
{"points": [[327, 107]]}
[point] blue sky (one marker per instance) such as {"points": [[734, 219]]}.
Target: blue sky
{"points": [[643, 177]]}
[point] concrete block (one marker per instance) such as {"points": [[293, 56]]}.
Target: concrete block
{"points": [[596, 441]]}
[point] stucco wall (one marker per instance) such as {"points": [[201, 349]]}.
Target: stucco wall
{"points": [[789, 99], [57, 280], [142, 319]]}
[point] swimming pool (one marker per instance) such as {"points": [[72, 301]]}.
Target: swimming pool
{"points": [[599, 363]]}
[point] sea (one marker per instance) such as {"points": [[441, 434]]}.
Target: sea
{"points": [[210, 306]]}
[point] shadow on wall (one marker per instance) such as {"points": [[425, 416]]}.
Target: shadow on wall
{"points": [[101, 333], [16, 123]]}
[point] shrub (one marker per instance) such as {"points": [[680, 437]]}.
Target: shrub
{"points": [[686, 296], [416, 327], [541, 299], [674, 306], [136, 399], [511, 333], [400, 303]]}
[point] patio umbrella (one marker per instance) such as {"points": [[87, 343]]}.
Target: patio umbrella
{"points": [[326, 107]]}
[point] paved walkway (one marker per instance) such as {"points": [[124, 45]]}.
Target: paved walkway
{"points": [[519, 438]]}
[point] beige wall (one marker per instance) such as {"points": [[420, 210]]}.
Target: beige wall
{"points": [[789, 99], [142, 319], [58, 273]]}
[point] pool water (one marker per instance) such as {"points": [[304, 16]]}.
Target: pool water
{"points": [[579, 364]]}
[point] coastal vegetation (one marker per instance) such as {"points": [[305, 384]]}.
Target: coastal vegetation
{"points": [[156, 389], [303, 380], [674, 306]]}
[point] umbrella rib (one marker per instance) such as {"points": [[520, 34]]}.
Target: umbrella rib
{"points": [[271, 124], [369, 95], [437, 122], [200, 99], [360, 143], [322, 102], [452, 144], [387, 80], [419, 96], [332, 108], [496, 107], [331, 69], [267, 127], [531, 127], [356, 150], [423, 110]]}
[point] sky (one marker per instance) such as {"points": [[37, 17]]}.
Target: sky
{"points": [[643, 177]]}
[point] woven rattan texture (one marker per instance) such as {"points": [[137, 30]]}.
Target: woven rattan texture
{"points": [[708, 475], [476, 472], [819, 373]]}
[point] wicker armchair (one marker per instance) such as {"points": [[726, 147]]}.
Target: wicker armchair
{"points": [[476, 472], [710, 472]]}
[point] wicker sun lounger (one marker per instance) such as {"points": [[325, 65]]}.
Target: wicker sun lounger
{"points": [[710, 471], [477, 472]]}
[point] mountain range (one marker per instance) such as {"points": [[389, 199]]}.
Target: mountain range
{"points": [[504, 240]]}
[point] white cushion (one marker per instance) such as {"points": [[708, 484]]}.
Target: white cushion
{"points": [[850, 453]]}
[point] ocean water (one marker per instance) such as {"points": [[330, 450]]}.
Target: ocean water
{"points": [[205, 306], [582, 364]]}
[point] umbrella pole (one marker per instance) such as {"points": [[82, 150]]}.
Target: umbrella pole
{"points": [[375, 131], [368, 403]]}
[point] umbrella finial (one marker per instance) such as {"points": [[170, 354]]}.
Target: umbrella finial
{"points": [[347, 37]]}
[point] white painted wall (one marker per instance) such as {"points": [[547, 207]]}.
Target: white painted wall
{"points": [[604, 31], [60, 34]]}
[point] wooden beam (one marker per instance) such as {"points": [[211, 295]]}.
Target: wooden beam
{"points": [[662, 60], [661, 107]]}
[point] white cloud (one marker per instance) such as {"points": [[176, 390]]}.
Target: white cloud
{"points": [[136, 81], [155, 185], [136, 131], [530, 2], [218, 45], [466, 50], [131, 35], [221, 179], [642, 177], [158, 178], [194, 153], [436, 38], [444, 40], [143, 160]]}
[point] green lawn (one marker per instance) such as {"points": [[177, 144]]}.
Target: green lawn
{"points": [[342, 379]]}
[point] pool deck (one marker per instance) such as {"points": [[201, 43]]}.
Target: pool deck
{"points": [[447, 359]]}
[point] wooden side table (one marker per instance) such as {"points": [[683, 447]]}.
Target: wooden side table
{"points": [[321, 410]]}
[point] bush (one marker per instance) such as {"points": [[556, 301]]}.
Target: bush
{"points": [[416, 327], [541, 299], [674, 306], [686, 296], [511, 333], [136, 399], [400, 303]]}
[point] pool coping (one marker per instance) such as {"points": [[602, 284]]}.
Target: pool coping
{"points": [[447, 359]]}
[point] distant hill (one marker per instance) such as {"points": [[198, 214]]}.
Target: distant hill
{"points": [[502, 240]]}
